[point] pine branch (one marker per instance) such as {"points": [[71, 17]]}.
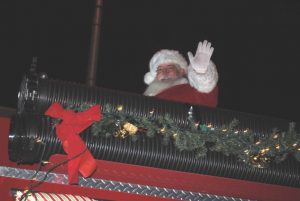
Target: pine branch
{"points": [[197, 137]]}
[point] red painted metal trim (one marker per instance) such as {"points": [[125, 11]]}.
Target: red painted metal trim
{"points": [[147, 176]]}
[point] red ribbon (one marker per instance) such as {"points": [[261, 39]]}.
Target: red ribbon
{"points": [[72, 124]]}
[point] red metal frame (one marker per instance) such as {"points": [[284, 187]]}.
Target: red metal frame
{"points": [[142, 175]]}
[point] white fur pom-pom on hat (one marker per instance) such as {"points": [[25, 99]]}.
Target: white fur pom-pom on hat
{"points": [[148, 78], [164, 57]]}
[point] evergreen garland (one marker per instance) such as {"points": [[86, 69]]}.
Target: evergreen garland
{"points": [[228, 139]]}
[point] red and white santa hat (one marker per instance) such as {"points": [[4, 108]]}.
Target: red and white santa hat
{"points": [[164, 57]]}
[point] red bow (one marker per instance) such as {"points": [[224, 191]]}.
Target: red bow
{"points": [[73, 123]]}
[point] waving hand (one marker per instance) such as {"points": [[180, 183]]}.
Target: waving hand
{"points": [[200, 61]]}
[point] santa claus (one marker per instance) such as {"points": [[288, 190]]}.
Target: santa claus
{"points": [[172, 78]]}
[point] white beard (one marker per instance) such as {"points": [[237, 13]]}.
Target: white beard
{"points": [[158, 86]]}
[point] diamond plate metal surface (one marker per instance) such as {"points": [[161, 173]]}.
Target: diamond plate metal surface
{"points": [[116, 186]]}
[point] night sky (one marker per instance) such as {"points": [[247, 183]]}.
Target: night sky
{"points": [[256, 43]]}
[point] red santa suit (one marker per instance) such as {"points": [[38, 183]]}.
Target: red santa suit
{"points": [[184, 93]]}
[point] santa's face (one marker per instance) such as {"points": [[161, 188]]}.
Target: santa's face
{"points": [[169, 71]]}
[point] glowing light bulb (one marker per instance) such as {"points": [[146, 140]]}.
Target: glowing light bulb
{"points": [[120, 108]]}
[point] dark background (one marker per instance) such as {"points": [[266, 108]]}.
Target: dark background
{"points": [[256, 46]]}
